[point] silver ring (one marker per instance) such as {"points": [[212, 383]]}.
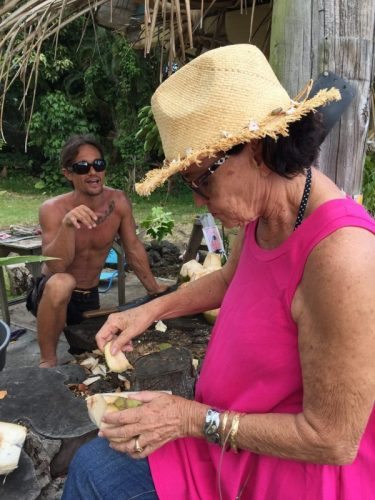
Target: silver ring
{"points": [[137, 447]]}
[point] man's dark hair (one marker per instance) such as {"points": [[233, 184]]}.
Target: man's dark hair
{"points": [[289, 156], [70, 149]]}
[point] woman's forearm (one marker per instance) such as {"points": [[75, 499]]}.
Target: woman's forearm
{"points": [[288, 436]]}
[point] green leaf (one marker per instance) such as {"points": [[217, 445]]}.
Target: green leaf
{"points": [[24, 259]]}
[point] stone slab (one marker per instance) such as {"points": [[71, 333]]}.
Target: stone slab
{"points": [[41, 399]]}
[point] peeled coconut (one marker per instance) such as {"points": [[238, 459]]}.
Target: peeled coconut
{"points": [[12, 437], [193, 271], [190, 267], [212, 260], [116, 363], [98, 404]]}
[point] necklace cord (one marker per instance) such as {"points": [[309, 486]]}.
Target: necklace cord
{"points": [[304, 200]]}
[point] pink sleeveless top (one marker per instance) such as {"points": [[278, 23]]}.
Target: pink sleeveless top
{"points": [[252, 365]]}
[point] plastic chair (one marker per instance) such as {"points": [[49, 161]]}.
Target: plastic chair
{"points": [[108, 276]]}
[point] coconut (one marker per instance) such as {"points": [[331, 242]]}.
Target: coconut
{"points": [[98, 404], [12, 437], [116, 362]]}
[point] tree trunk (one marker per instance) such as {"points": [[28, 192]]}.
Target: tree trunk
{"points": [[310, 37]]}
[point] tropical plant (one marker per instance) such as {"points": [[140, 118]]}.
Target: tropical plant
{"points": [[158, 224], [149, 132], [24, 259]]}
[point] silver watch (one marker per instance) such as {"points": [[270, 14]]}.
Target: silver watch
{"points": [[211, 426]]}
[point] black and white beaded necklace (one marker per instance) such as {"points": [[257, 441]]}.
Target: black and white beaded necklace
{"points": [[304, 200]]}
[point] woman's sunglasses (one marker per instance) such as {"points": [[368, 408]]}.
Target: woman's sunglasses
{"points": [[197, 183], [83, 167]]}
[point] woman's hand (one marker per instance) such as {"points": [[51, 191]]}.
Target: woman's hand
{"points": [[123, 327], [160, 419]]}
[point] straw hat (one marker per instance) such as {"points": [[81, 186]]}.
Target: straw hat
{"points": [[224, 97]]}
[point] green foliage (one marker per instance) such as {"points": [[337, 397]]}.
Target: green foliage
{"points": [[158, 224], [51, 125], [51, 179], [55, 64], [56, 119], [149, 132], [18, 164], [24, 259], [368, 186], [95, 84]]}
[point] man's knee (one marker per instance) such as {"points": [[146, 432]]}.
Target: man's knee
{"points": [[59, 288]]}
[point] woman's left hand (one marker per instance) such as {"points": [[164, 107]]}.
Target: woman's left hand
{"points": [[161, 418]]}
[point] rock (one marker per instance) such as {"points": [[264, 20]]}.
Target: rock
{"points": [[154, 256], [41, 451], [168, 370], [168, 248], [20, 279]]}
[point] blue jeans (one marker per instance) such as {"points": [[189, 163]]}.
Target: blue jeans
{"points": [[99, 473]]}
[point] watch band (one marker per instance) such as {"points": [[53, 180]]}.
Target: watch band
{"points": [[211, 426]]}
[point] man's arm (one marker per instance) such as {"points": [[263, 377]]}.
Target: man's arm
{"points": [[135, 252], [58, 232], [201, 295]]}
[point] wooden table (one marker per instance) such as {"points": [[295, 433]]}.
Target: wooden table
{"points": [[33, 246], [23, 246]]}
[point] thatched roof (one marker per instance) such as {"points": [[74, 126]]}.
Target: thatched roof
{"points": [[176, 25]]}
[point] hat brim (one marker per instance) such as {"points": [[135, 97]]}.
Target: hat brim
{"points": [[273, 125]]}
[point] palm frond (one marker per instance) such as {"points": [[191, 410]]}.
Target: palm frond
{"points": [[174, 25]]}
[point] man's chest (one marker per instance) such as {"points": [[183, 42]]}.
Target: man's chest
{"points": [[98, 238]]}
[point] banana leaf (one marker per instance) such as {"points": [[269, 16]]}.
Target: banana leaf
{"points": [[24, 259]]}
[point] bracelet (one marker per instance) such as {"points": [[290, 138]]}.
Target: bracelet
{"points": [[233, 432], [211, 426], [223, 437]]}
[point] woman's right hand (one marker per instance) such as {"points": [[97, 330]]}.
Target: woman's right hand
{"points": [[123, 327]]}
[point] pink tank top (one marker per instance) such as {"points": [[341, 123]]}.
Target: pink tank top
{"points": [[252, 366]]}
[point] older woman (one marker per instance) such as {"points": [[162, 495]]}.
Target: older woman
{"points": [[284, 403]]}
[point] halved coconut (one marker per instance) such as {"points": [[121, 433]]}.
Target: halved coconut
{"points": [[100, 403]]}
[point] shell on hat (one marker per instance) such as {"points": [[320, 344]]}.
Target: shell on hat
{"points": [[222, 90]]}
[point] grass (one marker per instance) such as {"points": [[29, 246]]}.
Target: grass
{"points": [[20, 202]]}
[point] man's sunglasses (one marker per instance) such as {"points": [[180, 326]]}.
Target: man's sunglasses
{"points": [[196, 185], [83, 167]]}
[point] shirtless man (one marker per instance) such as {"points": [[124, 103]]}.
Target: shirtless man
{"points": [[79, 228]]}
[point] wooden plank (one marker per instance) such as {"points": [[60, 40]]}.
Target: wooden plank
{"points": [[312, 36]]}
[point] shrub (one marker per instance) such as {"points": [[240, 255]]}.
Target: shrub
{"points": [[158, 224]]}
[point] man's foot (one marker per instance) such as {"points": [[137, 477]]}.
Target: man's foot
{"points": [[47, 364]]}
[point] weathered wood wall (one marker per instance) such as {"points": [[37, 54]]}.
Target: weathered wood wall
{"points": [[312, 36]]}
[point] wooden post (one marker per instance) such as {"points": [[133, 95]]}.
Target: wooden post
{"points": [[195, 240], [312, 36]]}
